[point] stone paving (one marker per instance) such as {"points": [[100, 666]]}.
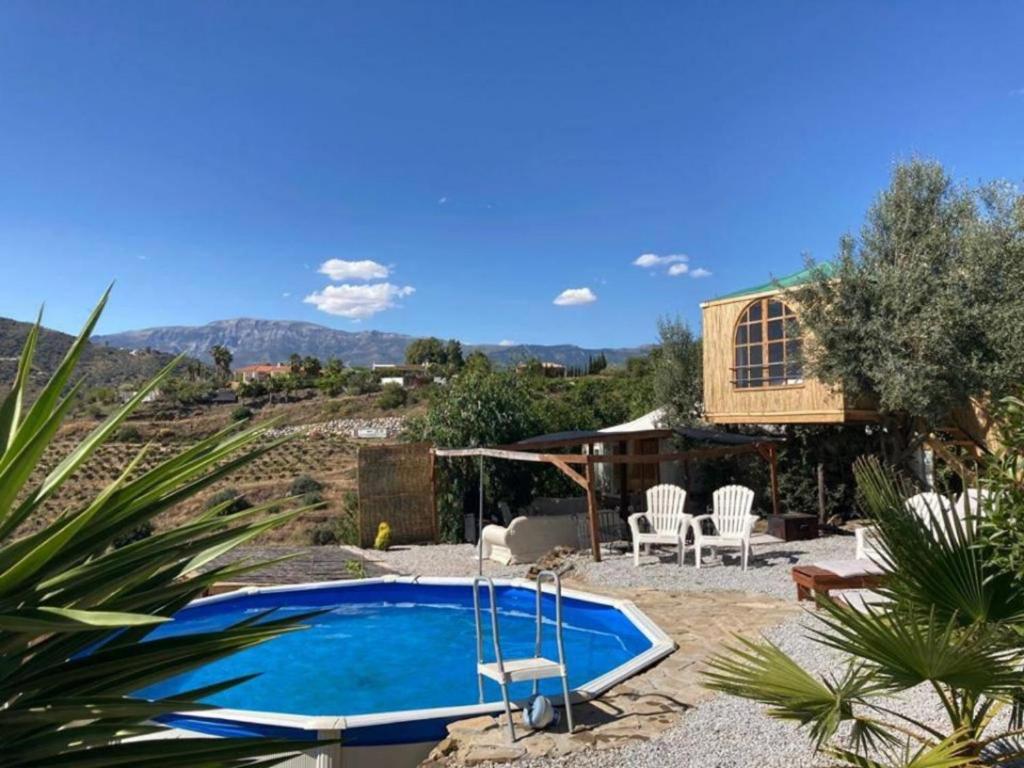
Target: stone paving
{"points": [[641, 707]]}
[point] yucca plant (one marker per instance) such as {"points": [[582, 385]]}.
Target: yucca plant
{"points": [[950, 620], [75, 611]]}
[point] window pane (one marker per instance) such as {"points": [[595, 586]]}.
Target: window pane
{"points": [[793, 350], [775, 374], [775, 308], [741, 357], [774, 329], [741, 335], [775, 352], [794, 373], [754, 313], [755, 333], [756, 355], [792, 328]]}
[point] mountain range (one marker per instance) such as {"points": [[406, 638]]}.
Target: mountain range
{"points": [[257, 341]]}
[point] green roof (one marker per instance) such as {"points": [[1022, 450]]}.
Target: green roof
{"points": [[790, 281]]}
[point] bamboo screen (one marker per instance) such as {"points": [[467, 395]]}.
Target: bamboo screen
{"points": [[395, 487]]}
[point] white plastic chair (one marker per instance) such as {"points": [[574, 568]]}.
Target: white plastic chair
{"points": [[666, 519], [972, 503], [733, 523]]}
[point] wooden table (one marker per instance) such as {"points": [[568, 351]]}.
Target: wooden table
{"points": [[810, 579]]}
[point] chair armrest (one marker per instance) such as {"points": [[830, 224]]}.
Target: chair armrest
{"points": [[696, 521], [751, 522], [864, 537], [634, 522]]}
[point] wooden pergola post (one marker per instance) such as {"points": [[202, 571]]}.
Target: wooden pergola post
{"points": [[595, 530], [773, 465]]}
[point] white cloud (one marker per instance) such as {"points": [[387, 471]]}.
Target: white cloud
{"points": [[442, 200], [678, 269], [507, 343], [286, 295], [339, 269], [571, 297], [700, 272], [651, 260], [358, 301], [1017, 92]]}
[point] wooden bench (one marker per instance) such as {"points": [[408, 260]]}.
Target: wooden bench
{"points": [[811, 579]]}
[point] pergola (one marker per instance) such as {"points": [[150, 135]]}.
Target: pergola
{"points": [[580, 466]]}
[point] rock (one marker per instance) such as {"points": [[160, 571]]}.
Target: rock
{"points": [[473, 725], [555, 560], [488, 753]]}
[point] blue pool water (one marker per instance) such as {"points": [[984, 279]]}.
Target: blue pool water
{"points": [[392, 646]]}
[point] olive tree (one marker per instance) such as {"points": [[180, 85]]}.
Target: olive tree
{"points": [[922, 313]]}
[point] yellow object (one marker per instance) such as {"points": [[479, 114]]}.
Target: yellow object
{"points": [[383, 540]]}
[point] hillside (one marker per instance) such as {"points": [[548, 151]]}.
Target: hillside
{"points": [[101, 366], [255, 341]]}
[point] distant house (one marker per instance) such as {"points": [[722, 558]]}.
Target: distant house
{"points": [[407, 376], [224, 397], [261, 371], [127, 394]]}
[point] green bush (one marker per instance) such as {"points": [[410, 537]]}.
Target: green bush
{"points": [[304, 484], [392, 396], [323, 534], [129, 434], [238, 502], [241, 413], [347, 522]]}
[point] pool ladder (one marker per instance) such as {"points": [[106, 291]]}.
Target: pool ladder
{"points": [[536, 668]]}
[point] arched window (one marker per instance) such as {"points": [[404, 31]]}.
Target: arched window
{"points": [[767, 346]]}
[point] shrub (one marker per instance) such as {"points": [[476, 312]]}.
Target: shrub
{"points": [[347, 522], [392, 396], [355, 569], [311, 499], [322, 535], [241, 413], [304, 484], [238, 502], [129, 434]]}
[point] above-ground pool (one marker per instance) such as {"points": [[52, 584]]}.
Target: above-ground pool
{"points": [[393, 660]]}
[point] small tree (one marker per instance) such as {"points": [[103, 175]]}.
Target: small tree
{"points": [[478, 362], [478, 409], [222, 358], [923, 312], [678, 372], [430, 350], [311, 367]]}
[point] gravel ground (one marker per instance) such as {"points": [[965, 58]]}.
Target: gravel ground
{"points": [[724, 732], [768, 572]]}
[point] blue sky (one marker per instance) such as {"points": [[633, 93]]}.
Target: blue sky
{"points": [[486, 156]]}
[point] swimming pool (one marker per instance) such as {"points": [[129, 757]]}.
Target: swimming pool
{"points": [[392, 661]]}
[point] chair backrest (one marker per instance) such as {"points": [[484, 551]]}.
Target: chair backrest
{"points": [[731, 507], [666, 506], [928, 506]]}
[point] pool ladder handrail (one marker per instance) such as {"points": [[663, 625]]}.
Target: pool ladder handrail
{"points": [[504, 671]]}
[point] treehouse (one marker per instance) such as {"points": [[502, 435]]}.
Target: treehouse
{"points": [[753, 362]]}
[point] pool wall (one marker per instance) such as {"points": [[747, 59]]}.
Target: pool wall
{"points": [[398, 738]]}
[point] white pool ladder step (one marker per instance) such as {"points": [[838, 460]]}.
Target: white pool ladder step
{"points": [[537, 667]]}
